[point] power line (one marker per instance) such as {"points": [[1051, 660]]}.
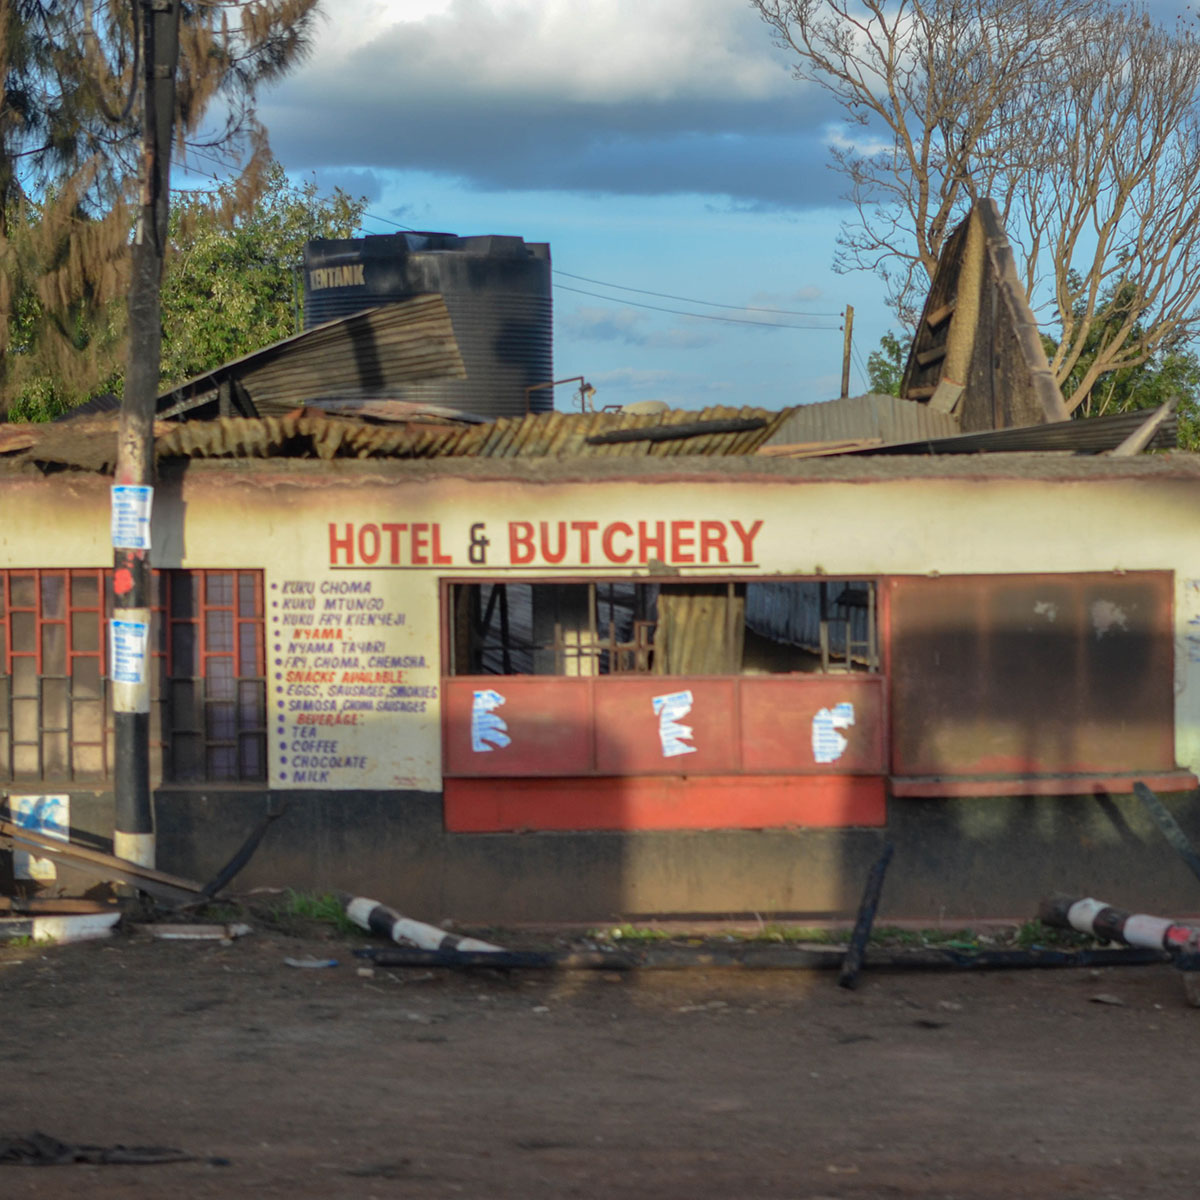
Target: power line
{"points": [[783, 312], [562, 287], [863, 374], [291, 188]]}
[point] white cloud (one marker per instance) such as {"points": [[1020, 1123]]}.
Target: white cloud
{"points": [[615, 51]]}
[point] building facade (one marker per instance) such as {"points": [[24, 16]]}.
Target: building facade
{"points": [[582, 689]]}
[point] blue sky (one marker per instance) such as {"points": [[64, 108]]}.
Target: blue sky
{"points": [[659, 145]]}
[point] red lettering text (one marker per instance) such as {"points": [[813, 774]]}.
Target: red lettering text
{"points": [[585, 530], [368, 543], [682, 541], [607, 541], [344, 545], [554, 556], [438, 556], [747, 537], [520, 543], [420, 545], [712, 538], [651, 547], [394, 530]]}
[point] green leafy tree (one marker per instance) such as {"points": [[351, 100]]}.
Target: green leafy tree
{"points": [[1170, 372], [70, 144], [231, 287], [230, 290], [885, 366]]}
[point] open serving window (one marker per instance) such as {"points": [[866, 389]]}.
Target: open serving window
{"points": [[708, 684]]}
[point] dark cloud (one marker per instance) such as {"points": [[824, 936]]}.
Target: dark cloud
{"points": [[353, 181], [760, 153]]}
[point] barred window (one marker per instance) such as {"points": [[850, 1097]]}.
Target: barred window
{"points": [[208, 688]]}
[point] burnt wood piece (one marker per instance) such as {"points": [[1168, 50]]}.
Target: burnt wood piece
{"points": [[857, 949], [242, 856], [1169, 826], [159, 884], [41, 1150], [668, 433], [922, 392], [941, 315], [675, 958], [932, 355]]}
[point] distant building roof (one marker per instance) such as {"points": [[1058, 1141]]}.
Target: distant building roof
{"points": [[871, 418]]}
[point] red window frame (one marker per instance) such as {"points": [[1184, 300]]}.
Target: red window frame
{"points": [[52, 622]]}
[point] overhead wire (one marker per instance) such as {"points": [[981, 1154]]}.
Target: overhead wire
{"points": [[783, 312], [597, 295], [562, 287], [863, 374]]}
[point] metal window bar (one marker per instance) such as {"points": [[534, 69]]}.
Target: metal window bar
{"points": [[55, 694], [216, 676], [48, 678]]}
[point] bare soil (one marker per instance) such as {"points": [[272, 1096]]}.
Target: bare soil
{"points": [[730, 1084]]}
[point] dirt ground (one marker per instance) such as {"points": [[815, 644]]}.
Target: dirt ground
{"points": [[328, 1083]]}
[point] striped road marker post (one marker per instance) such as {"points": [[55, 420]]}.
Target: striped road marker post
{"points": [[387, 922]]}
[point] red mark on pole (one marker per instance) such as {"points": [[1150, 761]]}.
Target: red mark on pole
{"points": [[122, 581]]}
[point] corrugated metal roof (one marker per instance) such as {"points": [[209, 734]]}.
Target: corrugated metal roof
{"points": [[90, 443], [1084, 435], [859, 418], [540, 435], [363, 357]]}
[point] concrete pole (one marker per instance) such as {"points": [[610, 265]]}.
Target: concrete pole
{"points": [[131, 639]]}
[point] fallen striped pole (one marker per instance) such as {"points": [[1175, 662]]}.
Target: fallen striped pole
{"points": [[387, 922], [1102, 921]]}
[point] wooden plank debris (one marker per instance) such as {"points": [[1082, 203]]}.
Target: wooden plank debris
{"points": [[171, 888]]}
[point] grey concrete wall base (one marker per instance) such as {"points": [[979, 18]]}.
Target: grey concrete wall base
{"points": [[955, 859]]}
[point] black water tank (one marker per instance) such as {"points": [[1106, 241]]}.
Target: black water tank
{"points": [[497, 290]]}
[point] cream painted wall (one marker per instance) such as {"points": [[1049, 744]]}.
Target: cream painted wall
{"points": [[281, 524]]}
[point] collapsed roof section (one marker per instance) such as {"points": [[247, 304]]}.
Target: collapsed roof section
{"points": [[721, 434], [365, 357], [977, 353], [977, 381]]}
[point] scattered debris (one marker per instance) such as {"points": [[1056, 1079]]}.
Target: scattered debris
{"points": [[1108, 924], [108, 867], [1169, 826], [856, 950], [752, 957], [41, 1150], [38, 905], [63, 928], [311, 964], [196, 933], [225, 876], [1108, 998]]}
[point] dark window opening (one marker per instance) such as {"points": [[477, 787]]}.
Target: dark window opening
{"points": [[616, 627]]}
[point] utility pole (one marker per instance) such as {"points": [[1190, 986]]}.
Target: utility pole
{"points": [[847, 342], [131, 642]]}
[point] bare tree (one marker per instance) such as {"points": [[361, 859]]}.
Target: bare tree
{"points": [[1080, 120]]}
